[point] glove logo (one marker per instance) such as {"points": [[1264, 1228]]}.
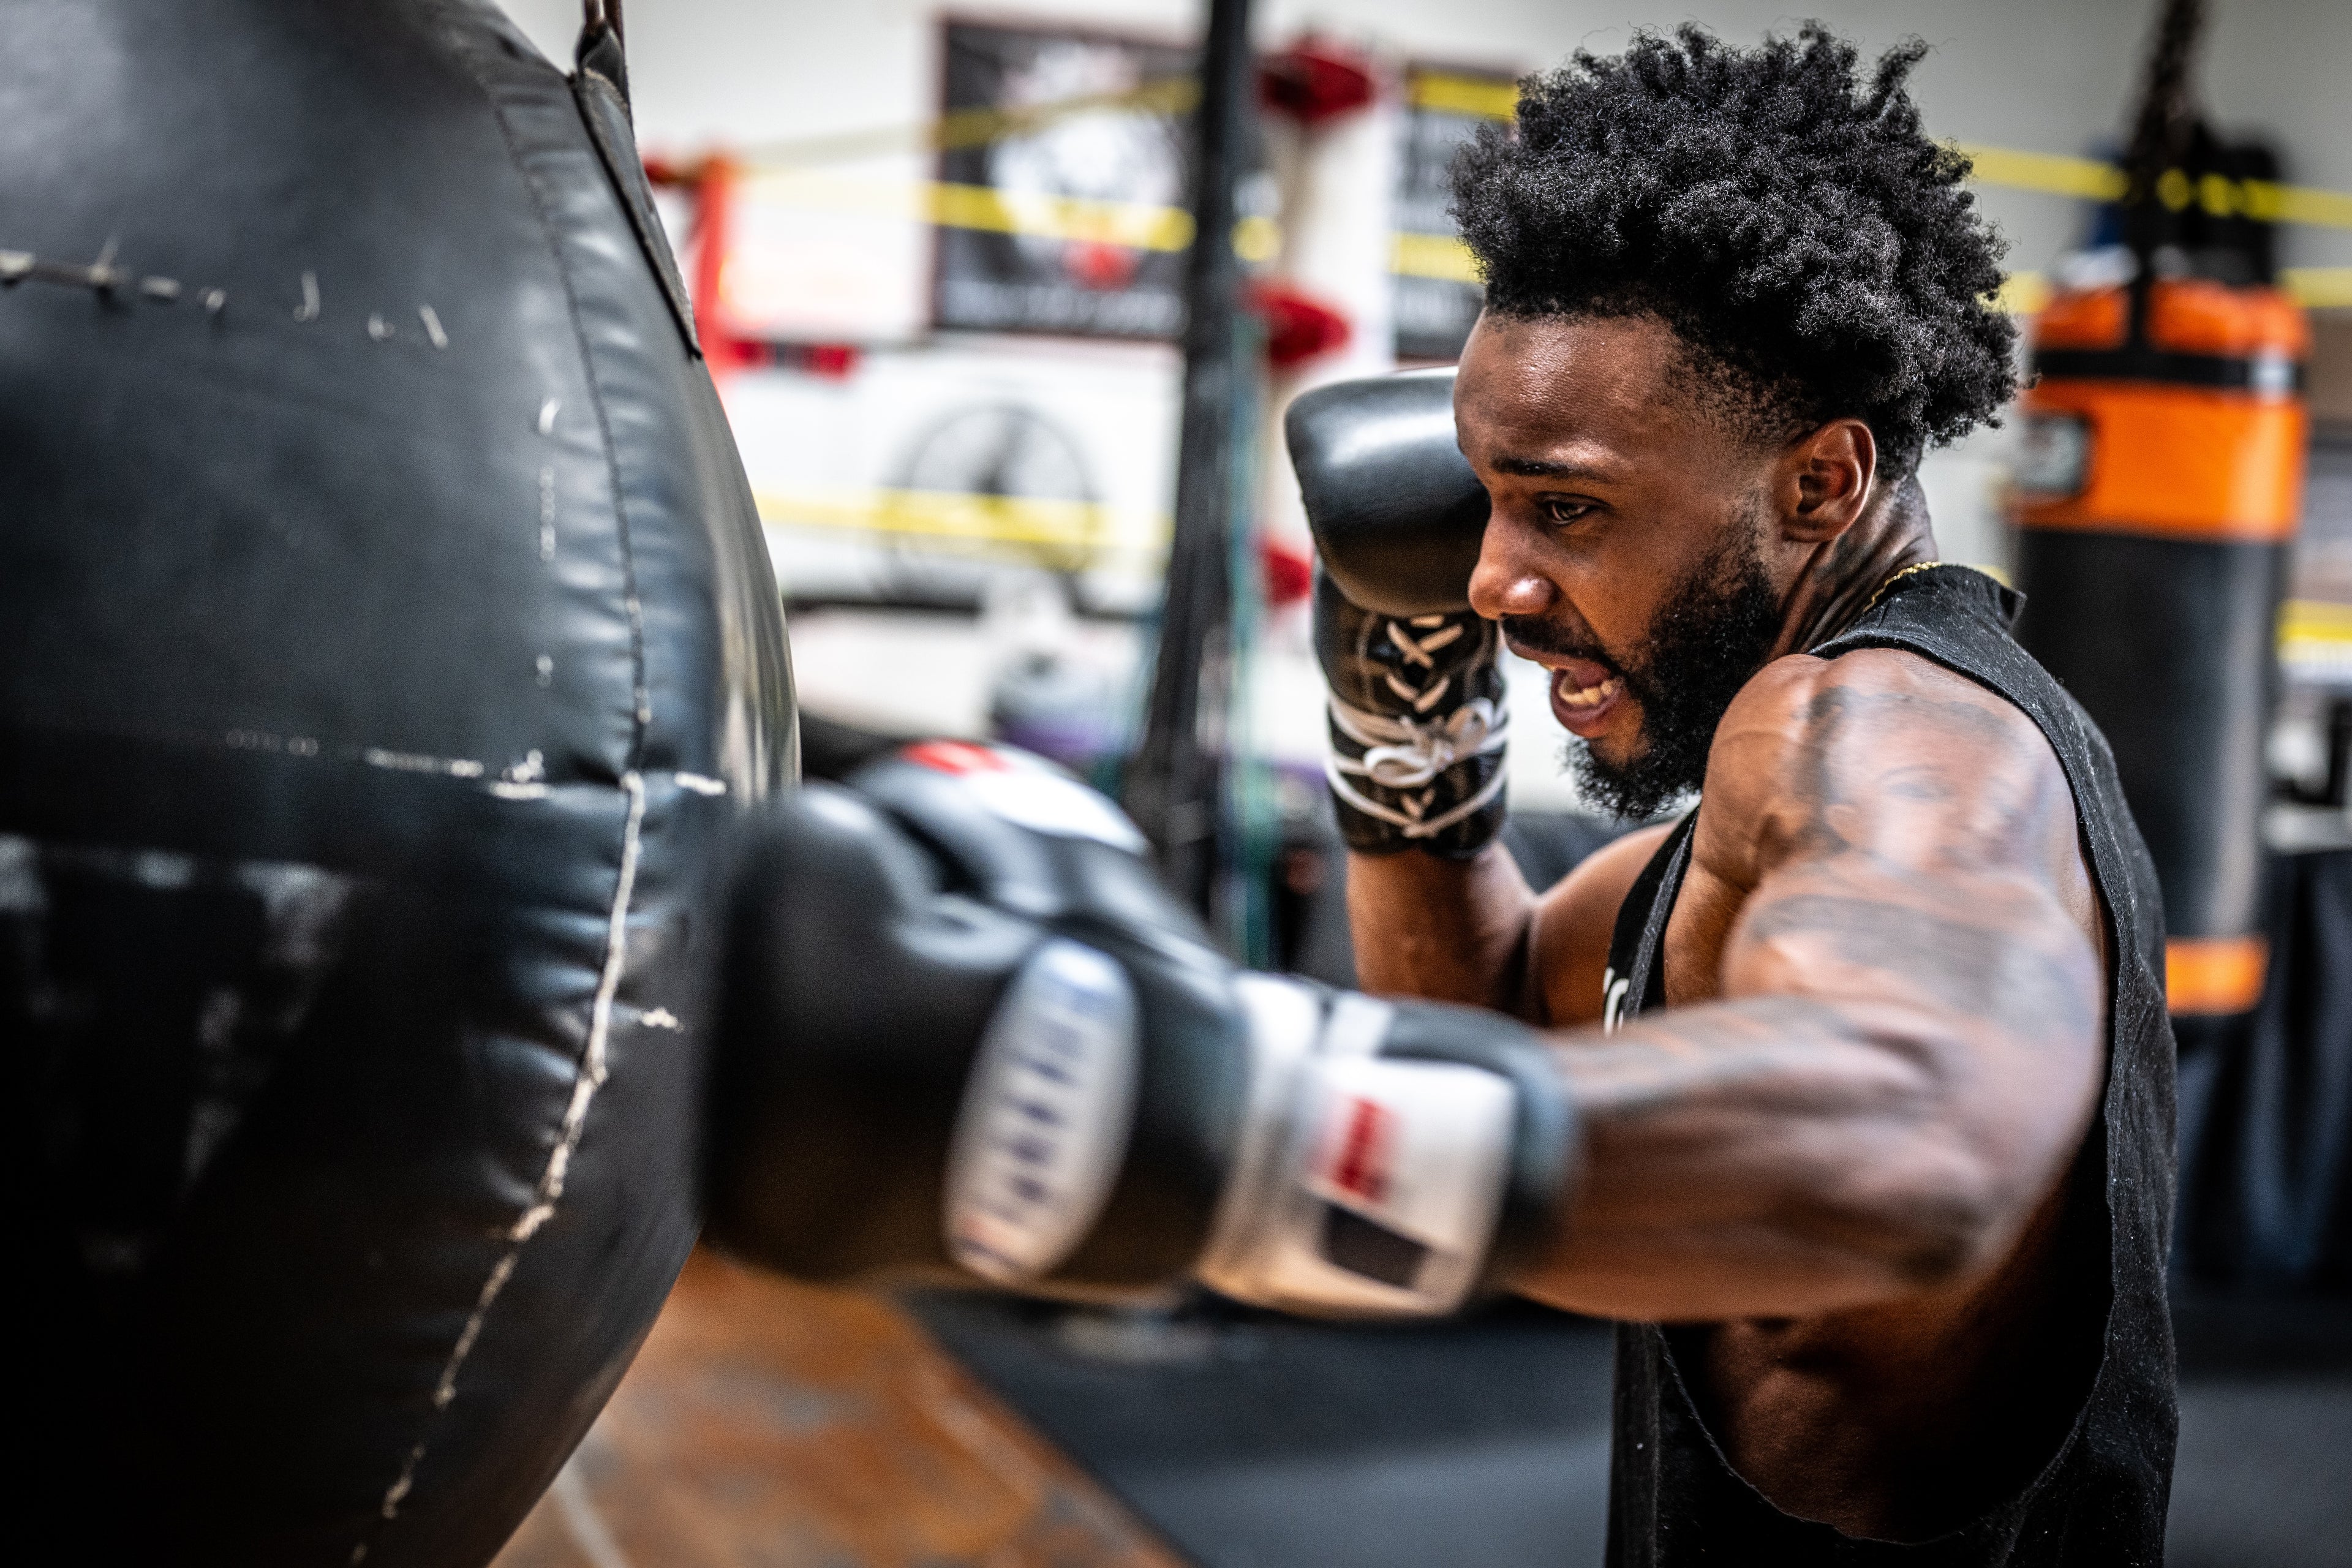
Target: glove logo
{"points": [[956, 757], [1404, 1181], [1046, 1116], [1359, 1165], [1029, 792]]}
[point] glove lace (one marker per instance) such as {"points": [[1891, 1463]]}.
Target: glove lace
{"points": [[1407, 753]]}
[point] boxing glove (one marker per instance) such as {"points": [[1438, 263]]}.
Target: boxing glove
{"points": [[1397, 510], [969, 1035], [1417, 716]]}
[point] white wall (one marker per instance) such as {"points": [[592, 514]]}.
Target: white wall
{"points": [[2045, 75]]}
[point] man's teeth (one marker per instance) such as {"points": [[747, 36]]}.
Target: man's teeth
{"points": [[1587, 696]]}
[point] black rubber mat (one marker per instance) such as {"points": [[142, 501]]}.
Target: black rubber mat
{"points": [[1251, 1441]]}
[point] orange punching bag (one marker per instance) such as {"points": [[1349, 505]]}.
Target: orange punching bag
{"points": [[2160, 492]]}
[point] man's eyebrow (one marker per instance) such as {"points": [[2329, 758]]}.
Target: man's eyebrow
{"points": [[1544, 469]]}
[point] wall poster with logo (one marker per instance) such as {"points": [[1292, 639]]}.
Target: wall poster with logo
{"points": [[1069, 219], [1437, 296]]}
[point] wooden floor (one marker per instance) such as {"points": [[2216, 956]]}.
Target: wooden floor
{"points": [[769, 1425]]}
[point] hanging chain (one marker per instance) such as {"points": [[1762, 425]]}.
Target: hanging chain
{"points": [[2168, 113]]}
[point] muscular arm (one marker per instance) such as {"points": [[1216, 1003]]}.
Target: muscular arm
{"points": [[1452, 930], [1472, 932], [1885, 1037]]}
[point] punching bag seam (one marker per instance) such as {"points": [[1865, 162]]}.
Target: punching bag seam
{"points": [[585, 85], [585, 1084], [591, 1073]]}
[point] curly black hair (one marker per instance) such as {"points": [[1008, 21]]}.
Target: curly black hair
{"points": [[1810, 245]]}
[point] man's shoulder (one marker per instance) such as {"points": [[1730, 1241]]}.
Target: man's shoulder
{"points": [[1868, 731], [1797, 704], [1890, 685]]}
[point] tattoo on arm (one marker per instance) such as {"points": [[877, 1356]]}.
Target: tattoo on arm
{"points": [[1968, 969], [1906, 1044]]}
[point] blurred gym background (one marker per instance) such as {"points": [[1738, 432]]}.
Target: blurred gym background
{"points": [[942, 263]]}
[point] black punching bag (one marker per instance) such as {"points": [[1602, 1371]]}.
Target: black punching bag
{"points": [[386, 646], [2161, 488]]}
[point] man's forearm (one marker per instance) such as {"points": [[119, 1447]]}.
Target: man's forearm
{"points": [[1784, 1156], [1450, 931]]}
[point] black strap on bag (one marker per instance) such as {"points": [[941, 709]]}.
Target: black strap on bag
{"points": [[600, 84], [601, 47]]}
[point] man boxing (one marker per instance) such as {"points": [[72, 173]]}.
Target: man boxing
{"points": [[1850, 1092]]}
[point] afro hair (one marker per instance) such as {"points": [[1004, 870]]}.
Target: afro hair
{"points": [[1791, 222]]}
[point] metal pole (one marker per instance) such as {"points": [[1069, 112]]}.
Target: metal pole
{"points": [[1174, 783]]}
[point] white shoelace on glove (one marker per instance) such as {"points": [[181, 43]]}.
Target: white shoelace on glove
{"points": [[1408, 752]]}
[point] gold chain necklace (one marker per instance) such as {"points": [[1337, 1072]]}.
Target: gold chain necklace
{"points": [[1898, 577]]}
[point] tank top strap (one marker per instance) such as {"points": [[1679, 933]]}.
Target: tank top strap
{"points": [[1635, 980]]}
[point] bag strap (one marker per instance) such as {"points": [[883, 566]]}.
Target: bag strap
{"points": [[601, 46]]}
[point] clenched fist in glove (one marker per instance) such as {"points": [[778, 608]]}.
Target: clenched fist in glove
{"points": [[968, 1033], [1417, 720], [1418, 726]]}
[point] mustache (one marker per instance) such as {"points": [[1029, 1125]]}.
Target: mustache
{"points": [[1542, 636]]}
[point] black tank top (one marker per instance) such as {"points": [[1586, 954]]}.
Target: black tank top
{"points": [[2100, 1500]]}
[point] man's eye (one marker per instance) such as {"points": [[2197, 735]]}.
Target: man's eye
{"points": [[1566, 511]]}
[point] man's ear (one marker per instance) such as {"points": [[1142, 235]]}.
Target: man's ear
{"points": [[1825, 480]]}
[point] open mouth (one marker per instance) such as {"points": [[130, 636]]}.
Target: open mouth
{"points": [[1580, 704], [1583, 692]]}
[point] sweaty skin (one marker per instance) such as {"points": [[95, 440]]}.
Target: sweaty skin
{"points": [[1841, 1151]]}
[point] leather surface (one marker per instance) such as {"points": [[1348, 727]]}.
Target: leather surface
{"points": [[386, 649], [1539, 1187], [1397, 510], [2168, 643]]}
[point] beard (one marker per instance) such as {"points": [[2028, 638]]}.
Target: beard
{"points": [[1717, 631]]}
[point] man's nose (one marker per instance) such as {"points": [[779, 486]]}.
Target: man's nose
{"points": [[1507, 580]]}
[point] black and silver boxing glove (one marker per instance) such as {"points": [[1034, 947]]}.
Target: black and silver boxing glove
{"points": [[1417, 720], [1418, 726], [969, 1035]]}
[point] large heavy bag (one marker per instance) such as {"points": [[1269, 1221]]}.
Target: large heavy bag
{"points": [[386, 646], [2161, 495]]}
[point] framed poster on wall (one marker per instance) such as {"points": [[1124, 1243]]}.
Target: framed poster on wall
{"points": [[1436, 295], [1062, 182]]}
